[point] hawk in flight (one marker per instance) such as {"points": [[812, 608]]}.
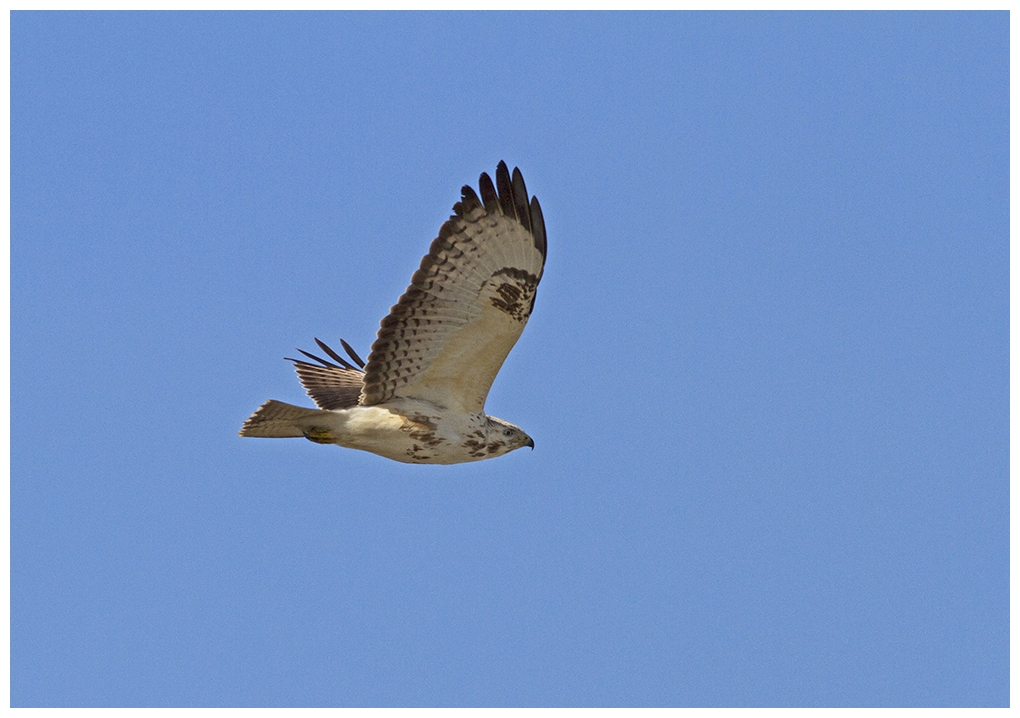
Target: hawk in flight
{"points": [[420, 398]]}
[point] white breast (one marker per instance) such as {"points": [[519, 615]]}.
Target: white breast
{"points": [[411, 432]]}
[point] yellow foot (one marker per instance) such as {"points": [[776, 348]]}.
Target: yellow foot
{"points": [[319, 436]]}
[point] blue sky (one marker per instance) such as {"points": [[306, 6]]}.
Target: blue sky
{"points": [[766, 375]]}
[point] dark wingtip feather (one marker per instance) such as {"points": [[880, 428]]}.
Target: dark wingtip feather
{"points": [[538, 225], [488, 191], [353, 354], [315, 358], [343, 362], [468, 198], [506, 192], [521, 199]]}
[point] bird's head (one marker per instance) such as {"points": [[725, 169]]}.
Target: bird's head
{"points": [[502, 437]]}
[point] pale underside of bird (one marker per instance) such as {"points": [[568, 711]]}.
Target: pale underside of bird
{"points": [[420, 398]]}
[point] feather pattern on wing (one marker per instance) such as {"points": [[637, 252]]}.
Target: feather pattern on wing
{"points": [[448, 335]]}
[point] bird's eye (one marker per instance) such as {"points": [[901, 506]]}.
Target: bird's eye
{"points": [[508, 432]]}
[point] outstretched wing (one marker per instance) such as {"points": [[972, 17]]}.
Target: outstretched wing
{"points": [[330, 385], [467, 304]]}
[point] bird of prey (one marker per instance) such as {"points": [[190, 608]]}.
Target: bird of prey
{"points": [[420, 399]]}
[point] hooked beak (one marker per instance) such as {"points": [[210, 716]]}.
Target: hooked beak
{"points": [[530, 442]]}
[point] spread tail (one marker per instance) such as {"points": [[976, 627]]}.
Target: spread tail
{"points": [[277, 420]]}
